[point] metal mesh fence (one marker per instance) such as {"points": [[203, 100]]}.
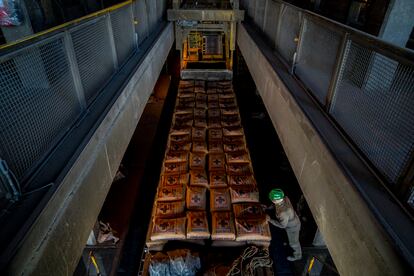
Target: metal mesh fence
{"points": [[41, 85], [160, 9], [123, 31], [272, 15], [373, 103], [92, 47], [141, 16], [38, 104], [316, 59], [251, 5], [259, 14], [152, 14], [288, 32]]}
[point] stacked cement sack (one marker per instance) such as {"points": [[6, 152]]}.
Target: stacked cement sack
{"points": [[207, 174]]}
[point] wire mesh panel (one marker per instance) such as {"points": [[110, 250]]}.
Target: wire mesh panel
{"points": [[123, 30], [141, 17], [37, 104], [315, 63], [259, 13], [373, 103], [272, 21], [160, 9], [152, 14], [92, 48], [288, 32]]}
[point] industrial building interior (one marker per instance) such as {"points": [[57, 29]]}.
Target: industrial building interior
{"points": [[173, 137]]}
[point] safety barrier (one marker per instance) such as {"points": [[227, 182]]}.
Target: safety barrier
{"points": [[47, 81], [365, 84]]}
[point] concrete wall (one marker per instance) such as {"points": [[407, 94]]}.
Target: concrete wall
{"points": [[356, 241], [56, 240]]}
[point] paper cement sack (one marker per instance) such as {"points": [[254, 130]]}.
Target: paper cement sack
{"points": [[220, 200], [196, 198], [222, 226], [197, 225], [168, 229]]}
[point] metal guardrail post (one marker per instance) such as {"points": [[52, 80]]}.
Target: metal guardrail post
{"points": [[279, 20], [299, 45], [112, 41], [74, 69], [405, 185], [265, 14], [339, 64]]}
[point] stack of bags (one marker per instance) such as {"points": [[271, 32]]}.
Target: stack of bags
{"points": [[207, 151]]}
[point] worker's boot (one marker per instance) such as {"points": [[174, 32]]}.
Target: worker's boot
{"points": [[297, 253], [293, 258]]}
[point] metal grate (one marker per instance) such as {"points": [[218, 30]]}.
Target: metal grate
{"points": [[373, 103], [93, 51], [259, 13], [141, 16], [272, 21], [288, 32], [316, 59], [123, 30], [37, 103]]}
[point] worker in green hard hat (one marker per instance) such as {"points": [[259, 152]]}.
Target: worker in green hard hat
{"points": [[286, 219]]}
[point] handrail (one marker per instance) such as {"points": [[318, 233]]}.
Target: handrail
{"points": [[62, 27], [370, 40], [362, 82]]}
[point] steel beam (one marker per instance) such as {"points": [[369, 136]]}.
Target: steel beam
{"points": [[205, 15], [207, 74]]}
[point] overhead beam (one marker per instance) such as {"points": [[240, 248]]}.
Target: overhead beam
{"points": [[205, 15]]}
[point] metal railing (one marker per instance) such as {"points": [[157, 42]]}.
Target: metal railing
{"points": [[48, 81], [365, 84]]}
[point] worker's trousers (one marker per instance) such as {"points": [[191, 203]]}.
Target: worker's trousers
{"points": [[293, 237]]}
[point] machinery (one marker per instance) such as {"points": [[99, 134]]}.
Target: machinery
{"points": [[205, 36]]}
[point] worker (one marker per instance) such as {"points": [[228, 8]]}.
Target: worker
{"points": [[286, 219]]}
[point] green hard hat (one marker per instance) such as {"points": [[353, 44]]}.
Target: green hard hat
{"points": [[276, 194]]}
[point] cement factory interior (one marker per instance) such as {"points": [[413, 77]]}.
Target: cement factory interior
{"points": [[207, 138]]}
